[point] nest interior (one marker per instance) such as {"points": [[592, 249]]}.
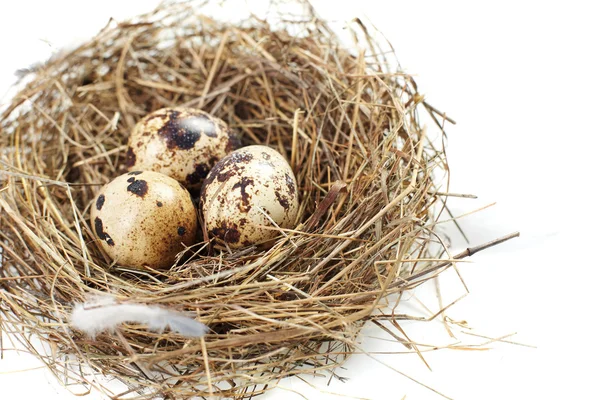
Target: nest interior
{"points": [[344, 118]]}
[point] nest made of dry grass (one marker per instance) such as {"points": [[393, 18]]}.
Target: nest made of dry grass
{"points": [[344, 118]]}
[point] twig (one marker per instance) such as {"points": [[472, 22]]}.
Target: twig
{"points": [[470, 251]]}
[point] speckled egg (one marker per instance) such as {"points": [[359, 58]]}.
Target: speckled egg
{"points": [[183, 143], [251, 187], [143, 219]]}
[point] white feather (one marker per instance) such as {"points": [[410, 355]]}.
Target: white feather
{"points": [[105, 313]]}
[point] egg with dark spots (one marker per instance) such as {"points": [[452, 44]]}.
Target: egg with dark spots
{"points": [[183, 143], [248, 196], [144, 219]]}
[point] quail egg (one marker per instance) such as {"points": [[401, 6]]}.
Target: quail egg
{"points": [[251, 188], [143, 219], [183, 143]]}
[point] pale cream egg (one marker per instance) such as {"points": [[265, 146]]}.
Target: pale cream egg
{"points": [[144, 219], [183, 143], [250, 189]]}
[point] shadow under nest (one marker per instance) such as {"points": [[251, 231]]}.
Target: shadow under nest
{"points": [[346, 121]]}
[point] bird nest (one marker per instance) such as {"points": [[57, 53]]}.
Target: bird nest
{"points": [[344, 116]]}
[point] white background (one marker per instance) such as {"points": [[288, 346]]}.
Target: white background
{"points": [[522, 80]]}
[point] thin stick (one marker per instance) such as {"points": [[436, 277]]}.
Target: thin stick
{"points": [[206, 365], [352, 133], [464, 196], [295, 139], [468, 252], [213, 69]]}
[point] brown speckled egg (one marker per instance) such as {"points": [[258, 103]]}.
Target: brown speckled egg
{"points": [[251, 187], [183, 143], [143, 219]]}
